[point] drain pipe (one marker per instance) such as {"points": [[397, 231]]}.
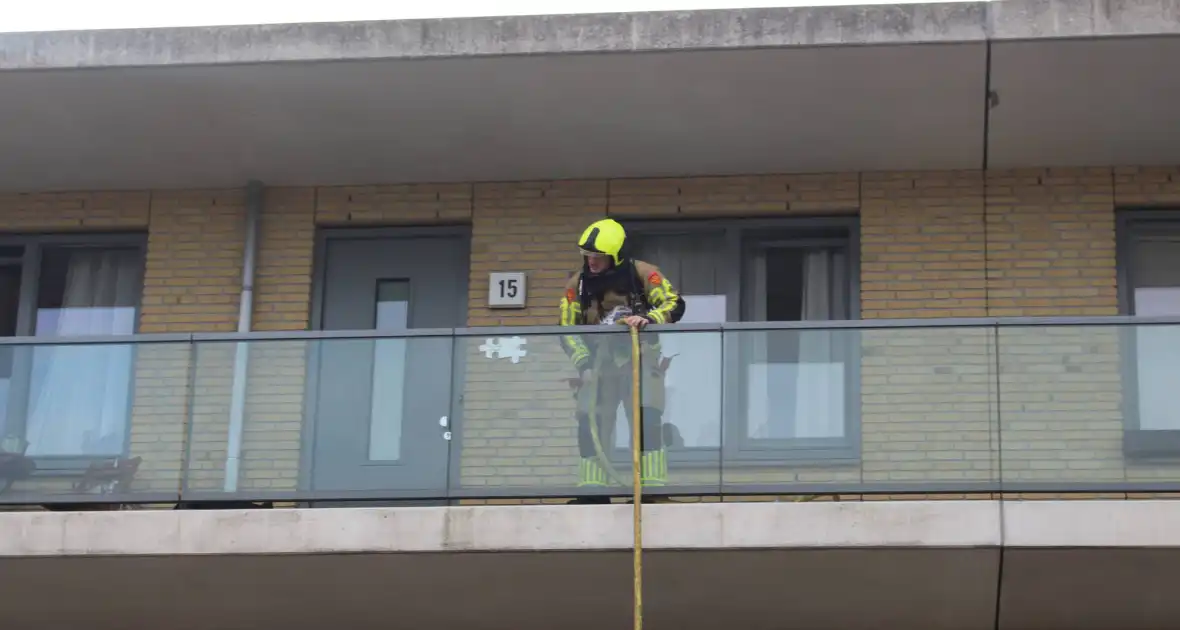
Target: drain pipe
{"points": [[237, 409]]}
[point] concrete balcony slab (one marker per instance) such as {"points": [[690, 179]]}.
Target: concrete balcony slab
{"points": [[718, 526], [1100, 565]]}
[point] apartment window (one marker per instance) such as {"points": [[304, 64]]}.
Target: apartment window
{"points": [[1149, 252], [797, 383], [68, 401], [695, 261], [790, 393]]}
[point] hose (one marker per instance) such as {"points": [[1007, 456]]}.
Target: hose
{"points": [[636, 416], [636, 481], [637, 508], [599, 451]]}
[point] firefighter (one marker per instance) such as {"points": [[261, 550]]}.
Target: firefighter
{"points": [[613, 288]]}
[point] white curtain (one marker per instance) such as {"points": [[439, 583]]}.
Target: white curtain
{"points": [[79, 395], [761, 398], [819, 390], [802, 397], [1157, 354]]}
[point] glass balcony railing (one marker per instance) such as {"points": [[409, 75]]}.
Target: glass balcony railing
{"points": [[89, 420], [872, 407]]}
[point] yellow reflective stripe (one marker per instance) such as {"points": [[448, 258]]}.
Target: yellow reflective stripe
{"points": [[570, 312], [570, 315], [663, 298], [590, 473], [654, 467], [578, 350]]}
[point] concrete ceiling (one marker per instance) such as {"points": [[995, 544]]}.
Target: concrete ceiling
{"points": [[506, 118], [1085, 103], [1061, 103]]}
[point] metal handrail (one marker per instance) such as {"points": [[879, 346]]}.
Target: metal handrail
{"points": [[497, 331]]}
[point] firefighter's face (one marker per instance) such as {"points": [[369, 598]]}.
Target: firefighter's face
{"points": [[598, 263]]}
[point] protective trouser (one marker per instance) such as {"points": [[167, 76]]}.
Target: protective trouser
{"points": [[607, 385]]}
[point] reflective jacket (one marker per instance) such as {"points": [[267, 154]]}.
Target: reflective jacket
{"points": [[651, 295]]}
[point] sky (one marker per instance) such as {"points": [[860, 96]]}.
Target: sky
{"points": [[57, 15]]}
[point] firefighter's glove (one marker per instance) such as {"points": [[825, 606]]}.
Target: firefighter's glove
{"points": [[637, 321]]}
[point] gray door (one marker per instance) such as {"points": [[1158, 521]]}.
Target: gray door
{"points": [[379, 402]]}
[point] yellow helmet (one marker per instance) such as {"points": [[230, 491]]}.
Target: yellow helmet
{"points": [[604, 237]]}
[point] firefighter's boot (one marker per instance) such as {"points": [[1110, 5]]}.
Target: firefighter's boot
{"points": [[591, 474], [653, 461]]}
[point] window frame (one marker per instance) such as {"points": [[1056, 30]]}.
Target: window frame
{"points": [[1131, 225], [738, 450], [31, 258]]}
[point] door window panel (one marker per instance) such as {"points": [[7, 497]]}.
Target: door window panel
{"points": [[389, 371]]}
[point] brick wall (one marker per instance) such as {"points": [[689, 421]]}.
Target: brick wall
{"points": [[1147, 187], [927, 395], [422, 204], [922, 245], [933, 244], [1050, 243], [1051, 251], [191, 283], [73, 212]]}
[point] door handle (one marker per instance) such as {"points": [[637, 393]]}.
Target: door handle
{"points": [[443, 422]]}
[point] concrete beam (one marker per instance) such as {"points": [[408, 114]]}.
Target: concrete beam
{"points": [[627, 32], [1101, 524], [474, 37], [723, 526], [667, 527], [1051, 19]]}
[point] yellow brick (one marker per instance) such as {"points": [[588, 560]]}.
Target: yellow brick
{"points": [[1147, 187], [910, 228], [1060, 227]]}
